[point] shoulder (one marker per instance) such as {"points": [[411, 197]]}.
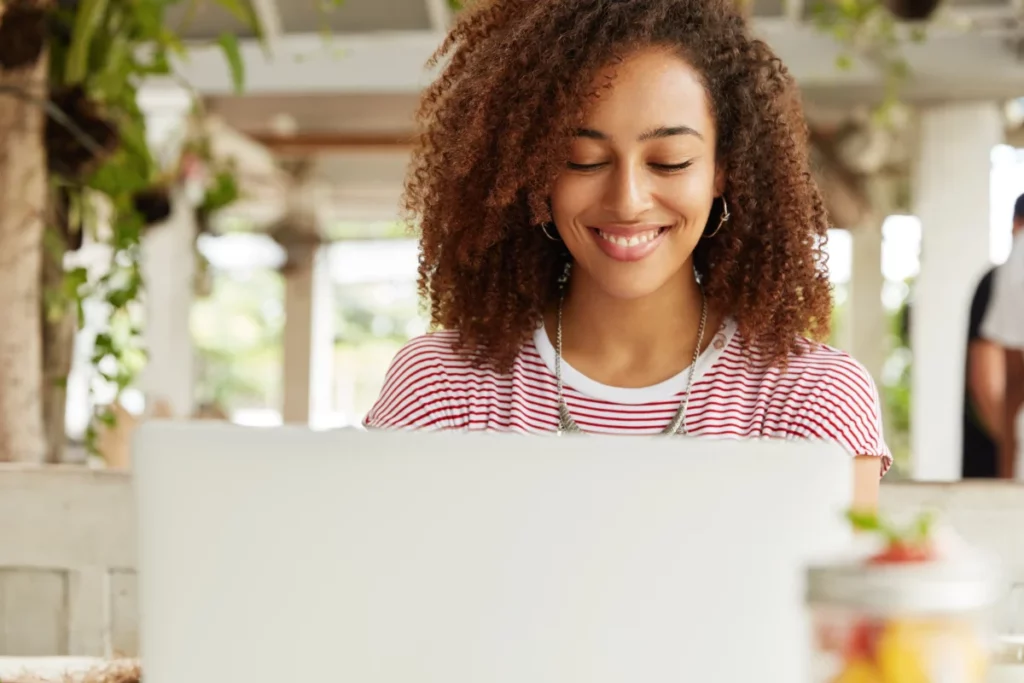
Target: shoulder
{"points": [[416, 385], [433, 384], [986, 279], [432, 351], [1004, 323], [984, 287], [812, 367], [980, 304], [835, 372], [820, 393]]}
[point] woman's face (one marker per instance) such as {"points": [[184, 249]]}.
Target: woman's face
{"points": [[634, 199]]}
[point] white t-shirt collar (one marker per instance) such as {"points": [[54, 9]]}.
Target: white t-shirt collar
{"points": [[662, 391]]}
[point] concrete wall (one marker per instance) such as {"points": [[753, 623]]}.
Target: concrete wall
{"points": [[67, 552], [67, 562]]}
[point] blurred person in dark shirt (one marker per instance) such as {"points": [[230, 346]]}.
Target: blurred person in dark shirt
{"points": [[984, 386], [1004, 325]]}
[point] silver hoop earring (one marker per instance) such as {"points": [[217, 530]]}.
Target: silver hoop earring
{"points": [[544, 229], [722, 220]]}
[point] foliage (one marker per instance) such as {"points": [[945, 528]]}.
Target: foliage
{"points": [[867, 28], [238, 335], [101, 52], [238, 327], [897, 389]]}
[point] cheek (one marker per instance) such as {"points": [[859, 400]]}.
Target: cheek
{"points": [[689, 193], [569, 197]]}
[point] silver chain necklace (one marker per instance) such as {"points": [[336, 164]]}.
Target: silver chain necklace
{"points": [[566, 424]]}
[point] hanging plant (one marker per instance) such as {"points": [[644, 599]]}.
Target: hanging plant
{"points": [[873, 30], [22, 34], [105, 183], [913, 10], [82, 139]]}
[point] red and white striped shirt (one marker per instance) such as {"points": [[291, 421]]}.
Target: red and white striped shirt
{"points": [[822, 394]]}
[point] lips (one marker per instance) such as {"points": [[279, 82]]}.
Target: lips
{"points": [[628, 243]]}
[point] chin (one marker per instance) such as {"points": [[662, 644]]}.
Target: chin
{"points": [[627, 288]]}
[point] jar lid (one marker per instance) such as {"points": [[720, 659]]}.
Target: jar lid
{"points": [[921, 588]]}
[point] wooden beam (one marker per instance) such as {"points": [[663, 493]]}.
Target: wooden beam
{"points": [[327, 143]]}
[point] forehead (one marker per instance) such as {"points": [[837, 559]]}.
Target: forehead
{"points": [[648, 89]]}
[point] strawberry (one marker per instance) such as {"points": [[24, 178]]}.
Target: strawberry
{"points": [[900, 552], [913, 544], [862, 639]]}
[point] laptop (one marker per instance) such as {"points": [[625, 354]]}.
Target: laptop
{"points": [[272, 555]]}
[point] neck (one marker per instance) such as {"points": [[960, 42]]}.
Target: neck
{"points": [[632, 342]]}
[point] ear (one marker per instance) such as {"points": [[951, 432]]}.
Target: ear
{"points": [[719, 179]]}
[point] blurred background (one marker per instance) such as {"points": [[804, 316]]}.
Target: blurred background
{"points": [[279, 280], [215, 189]]}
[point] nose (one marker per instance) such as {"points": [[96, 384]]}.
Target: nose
{"points": [[628, 194]]}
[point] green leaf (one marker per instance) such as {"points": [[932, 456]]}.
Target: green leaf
{"points": [[229, 43], [107, 417], [148, 17], [872, 522], [74, 280], [172, 42], [87, 20], [222, 193], [109, 84], [923, 525], [133, 138]]}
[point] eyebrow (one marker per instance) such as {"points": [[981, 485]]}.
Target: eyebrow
{"points": [[654, 134]]}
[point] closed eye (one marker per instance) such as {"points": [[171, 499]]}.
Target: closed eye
{"points": [[670, 168], [667, 168]]}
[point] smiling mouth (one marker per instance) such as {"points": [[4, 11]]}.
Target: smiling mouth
{"points": [[633, 240]]}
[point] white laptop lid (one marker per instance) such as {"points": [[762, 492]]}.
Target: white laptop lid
{"points": [[287, 555]]}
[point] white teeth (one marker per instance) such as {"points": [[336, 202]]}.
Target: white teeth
{"points": [[632, 240]]}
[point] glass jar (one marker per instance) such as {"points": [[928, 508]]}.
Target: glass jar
{"points": [[1008, 653], [913, 622]]}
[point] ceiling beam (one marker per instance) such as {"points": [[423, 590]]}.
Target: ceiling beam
{"points": [[311, 63], [947, 67], [308, 144]]}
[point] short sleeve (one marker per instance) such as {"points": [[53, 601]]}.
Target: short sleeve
{"points": [[844, 408], [1004, 321], [416, 391]]}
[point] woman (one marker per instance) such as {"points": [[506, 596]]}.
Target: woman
{"points": [[620, 234]]}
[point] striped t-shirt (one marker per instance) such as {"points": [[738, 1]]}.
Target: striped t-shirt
{"points": [[822, 394]]}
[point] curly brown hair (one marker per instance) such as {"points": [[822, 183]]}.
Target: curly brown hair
{"points": [[497, 129]]}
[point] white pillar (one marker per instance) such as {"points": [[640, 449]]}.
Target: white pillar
{"points": [[867, 320], [322, 354], [299, 287], [298, 232], [168, 266], [952, 198]]}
